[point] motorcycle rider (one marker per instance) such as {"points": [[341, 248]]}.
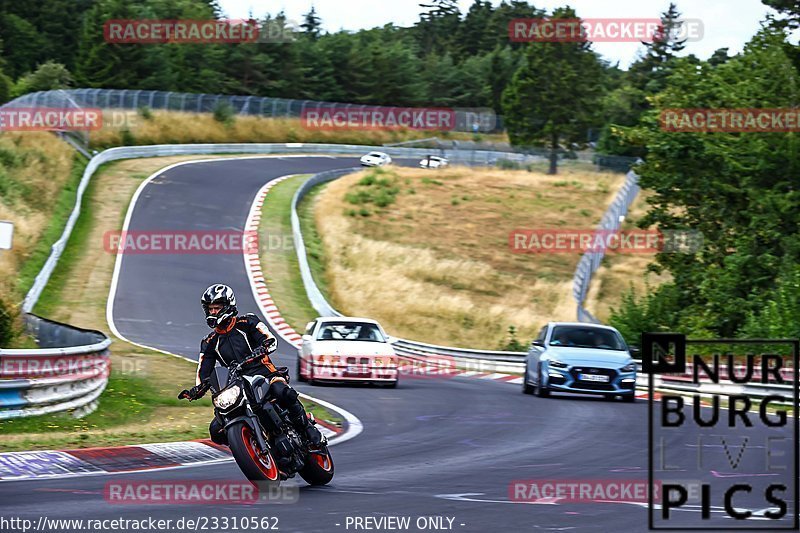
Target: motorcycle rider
{"points": [[234, 339]]}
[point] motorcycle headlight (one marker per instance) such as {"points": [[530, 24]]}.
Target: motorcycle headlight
{"points": [[228, 397], [558, 364], [630, 367]]}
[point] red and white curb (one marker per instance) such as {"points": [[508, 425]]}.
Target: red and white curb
{"points": [[252, 263]]}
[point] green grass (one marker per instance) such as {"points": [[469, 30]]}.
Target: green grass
{"points": [[58, 220], [281, 268], [126, 399], [314, 248], [49, 300]]}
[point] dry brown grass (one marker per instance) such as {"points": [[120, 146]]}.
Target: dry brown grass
{"points": [[621, 272], [436, 265], [166, 127], [30, 187]]}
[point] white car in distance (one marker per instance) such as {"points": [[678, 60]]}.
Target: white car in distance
{"points": [[433, 161], [375, 159], [347, 349]]}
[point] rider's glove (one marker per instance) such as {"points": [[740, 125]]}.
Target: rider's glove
{"points": [[195, 393], [271, 346]]}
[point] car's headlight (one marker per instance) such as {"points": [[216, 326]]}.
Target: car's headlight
{"points": [[558, 364], [630, 367], [228, 397]]}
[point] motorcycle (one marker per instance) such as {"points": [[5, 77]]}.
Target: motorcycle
{"points": [[263, 442]]}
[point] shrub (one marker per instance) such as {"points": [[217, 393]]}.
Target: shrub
{"points": [[7, 320], [223, 112], [145, 112], [513, 344]]}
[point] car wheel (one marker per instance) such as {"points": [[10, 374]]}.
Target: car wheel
{"points": [[609, 397], [629, 398], [526, 389], [300, 378], [541, 390]]}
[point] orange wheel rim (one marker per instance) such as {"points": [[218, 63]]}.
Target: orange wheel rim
{"points": [[323, 461], [263, 461]]}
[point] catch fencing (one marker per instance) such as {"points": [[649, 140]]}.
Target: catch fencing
{"points": [[466, 119]]}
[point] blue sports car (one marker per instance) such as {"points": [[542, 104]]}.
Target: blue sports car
{"points": [[580, 358]]}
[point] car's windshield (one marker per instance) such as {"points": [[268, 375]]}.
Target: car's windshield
{"points": [[586, 337], [374, 154], [350, 331]]}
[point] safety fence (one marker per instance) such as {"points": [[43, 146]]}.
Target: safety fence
{"points": [[466, 119]]}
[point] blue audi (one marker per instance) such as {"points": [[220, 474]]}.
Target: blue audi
{"points": [[580, 358]]}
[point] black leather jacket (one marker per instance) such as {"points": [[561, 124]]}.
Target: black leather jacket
{"points": [[236, 343]]}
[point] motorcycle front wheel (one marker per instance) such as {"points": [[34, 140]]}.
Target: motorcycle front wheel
{"points": [[255, 464], [318, 469]]}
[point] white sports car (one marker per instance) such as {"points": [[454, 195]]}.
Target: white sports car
{"points": [[375, 159], [346, 349]]}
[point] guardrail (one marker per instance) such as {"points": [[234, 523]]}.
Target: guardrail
{"points": [[69, 371]]}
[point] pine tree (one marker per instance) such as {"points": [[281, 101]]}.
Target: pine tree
{"points": [[553, 96], [650, 71], [312, 24]]}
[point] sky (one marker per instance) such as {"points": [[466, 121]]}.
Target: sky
{"points": [[726, 23]]}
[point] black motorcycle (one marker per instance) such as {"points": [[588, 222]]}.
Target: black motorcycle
{"points": [[264, 443]]}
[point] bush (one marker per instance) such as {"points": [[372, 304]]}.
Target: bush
{"points": [[223, 112], [7, 320], [513, 344], [47, 77], [779, 317], [127, 138], [145, 112], [507, 164], [655, 311]]}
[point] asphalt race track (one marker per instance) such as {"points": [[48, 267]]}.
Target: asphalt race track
{"points": [[432, 447]]}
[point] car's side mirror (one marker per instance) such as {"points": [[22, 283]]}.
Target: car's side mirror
{"points": [[537, 342], [635, 351], [306, 337], [390, 339]]}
